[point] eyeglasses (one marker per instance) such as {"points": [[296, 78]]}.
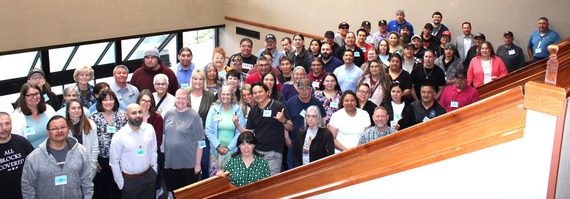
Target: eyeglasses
{"points": [[33, 95], [58, 128], [363, 91], [161, 84], [263, 65], [310, 116], [343, 27], [145, 101]]}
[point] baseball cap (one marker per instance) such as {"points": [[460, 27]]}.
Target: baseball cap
{"points": [[508, 33], [460, 73], [236, 58], [449, 46], [270, 37], [329, 34], [416, 36], [343, 24], [365, 23], [446, 33], [382, 22], [406, 26], [400, 12], [304, 83], [36, 70], [479, 35], [410, 45]]}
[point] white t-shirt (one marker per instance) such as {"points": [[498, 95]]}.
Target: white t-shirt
{"points": [[307, 145], [195, 102], [167, 103], [349, 128], [487, 70], [398, 109]]}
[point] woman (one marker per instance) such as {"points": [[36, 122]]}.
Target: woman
{"points": [[219, 62], [378, 80], [37, 76], [269, 81], [246, 102], [200, 101], [82, 76], [213, 81], [314, 141], [400, 75], [399, 111], [148, 107], [363, 96], [234, 81], [70, 93], [290, 89], [384, 52], [301, 56], [108, 120], [315, 48], [486, 67], [97, 90], [394, 44], [84, 130], [246, 165], [164, 100], [317, 72], [329, 94], [221, 129], [31, 115], [183, 133], [348, 123]]}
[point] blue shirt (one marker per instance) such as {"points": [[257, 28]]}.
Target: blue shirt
{"points": [[348, 77], [332, 64], [297, 110], [394, 26], [541, 42], [184, 76]]}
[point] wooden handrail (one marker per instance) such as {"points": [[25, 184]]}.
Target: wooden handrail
{"points": [[486, 123], [205, 188], [280, 29]]}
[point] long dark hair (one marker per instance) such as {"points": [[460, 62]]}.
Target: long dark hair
{"points": [[274, 88], [21, 102], [249, 138], [344, 94], [84, 124], [102, 96], [322, 86]]}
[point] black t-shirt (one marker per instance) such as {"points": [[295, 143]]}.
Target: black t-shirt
{"points": [[12, 158], [419, 76], [358, 55], [268, 130]]}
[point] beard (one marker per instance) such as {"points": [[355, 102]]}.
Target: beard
{"points": [[326, 56], [136, 122]]}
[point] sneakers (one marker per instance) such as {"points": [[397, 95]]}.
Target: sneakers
{"points": [[159, 192]]}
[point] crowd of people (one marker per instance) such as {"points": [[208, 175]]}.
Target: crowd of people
{"points": [[253, 116]]}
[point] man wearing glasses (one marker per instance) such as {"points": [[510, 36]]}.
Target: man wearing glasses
{"points": [[459, 94], [59, 168], [426, 108]]}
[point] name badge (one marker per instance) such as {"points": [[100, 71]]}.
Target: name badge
{"points": [[315, 84], [302, 113], [184, 85], [111, 129], [266, 113], [397, 117], [538, 50], [363, 49], [356, 54], [334, 105], [60, 180], [454, 104], [46, 97], [29, 131], [217, 117], [140, 152], [350, 78], [511, 52], [202, 144], [425, 119]]}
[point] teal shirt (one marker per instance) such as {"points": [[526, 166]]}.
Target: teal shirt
{"points": [[39, 126], [241, 175]]}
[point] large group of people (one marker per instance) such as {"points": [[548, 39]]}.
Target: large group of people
{"points": [[253, 116]]}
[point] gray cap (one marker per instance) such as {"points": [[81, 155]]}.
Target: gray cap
{"points": [[449, 46], [152, 52], [304, 83]]}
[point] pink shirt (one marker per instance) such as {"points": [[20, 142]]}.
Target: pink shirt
{"points": [[475, 71], [452, 99]]}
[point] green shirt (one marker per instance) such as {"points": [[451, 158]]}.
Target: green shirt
{"points": [[241, 175]]}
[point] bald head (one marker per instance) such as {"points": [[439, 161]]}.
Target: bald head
{"points": [[134, 115]]}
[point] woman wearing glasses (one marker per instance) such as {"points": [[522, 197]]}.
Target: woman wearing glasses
{"points": [[164, 100], [31, 115], [314, 140]]}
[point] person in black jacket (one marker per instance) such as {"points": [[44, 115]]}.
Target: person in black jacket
{"points": [[399, 110], [314, 141]]}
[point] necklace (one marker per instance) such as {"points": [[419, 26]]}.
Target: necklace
{"points": [[427, 75]]}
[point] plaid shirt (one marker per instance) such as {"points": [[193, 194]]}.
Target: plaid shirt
{"points": [[372, 133]]}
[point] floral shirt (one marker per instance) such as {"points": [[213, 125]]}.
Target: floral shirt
{"points": [[119, 120], [90, 99], [241, 175], [320, 95]]}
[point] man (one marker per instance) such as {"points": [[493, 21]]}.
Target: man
{"points": [[351, 45], [286, 66], [396, 24], [511, 54], [316, 74], [474, 50], [271, 47], [459, 94], [126, 92], [297, 106], [13, 152], [59, 168], [449, 63], [429, 41], [366, 26], [361, 43], [342, 31], [465, 41], [248, 60], [438, 27], [330, 61], [405, 35], [381, 34], [235, 64], [409, 61], [419, 47], [427, 73], [348, 74], [329, 39], [537, 47], [133, 156], [185, 67], [263, 67], [380, 129], [153, 65], [287, 47], [426, 108]]}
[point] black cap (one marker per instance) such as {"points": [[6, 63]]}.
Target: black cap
{"points": [[410, 45], [343, 24], [508, 33], [479, 35], [461, 73], [270, 37], [382, 23], [406, 26], [329, 34], [365, 23]]}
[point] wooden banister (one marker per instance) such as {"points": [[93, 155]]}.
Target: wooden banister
{"points": [[280, 29], [205, 188]]}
